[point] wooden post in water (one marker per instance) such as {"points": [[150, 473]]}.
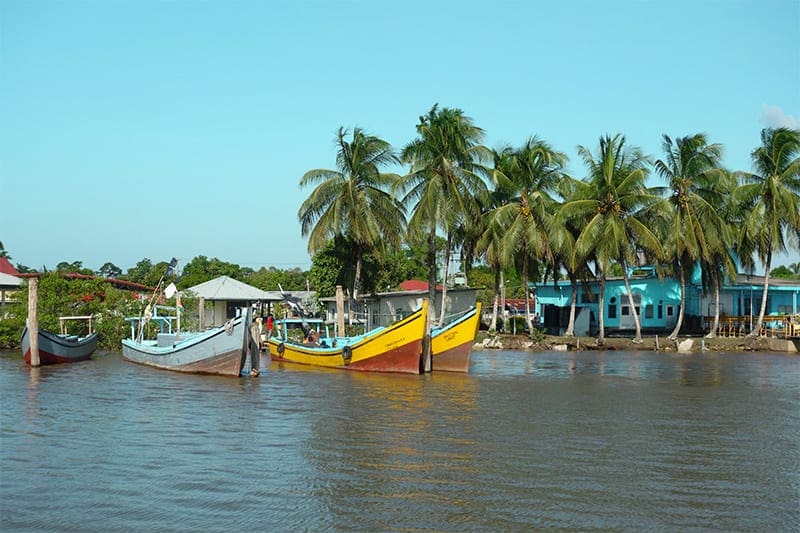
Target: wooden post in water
{"points": [[340, 311], [202, 307], [33, 319]]}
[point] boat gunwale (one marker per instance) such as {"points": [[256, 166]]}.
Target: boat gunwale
{"points": [[360, 340], [173, 349]]}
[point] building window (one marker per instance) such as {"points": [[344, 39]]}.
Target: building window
{"points": [[648, 311], [626, 310], [670, 310], [660, 310], [612, 310]]}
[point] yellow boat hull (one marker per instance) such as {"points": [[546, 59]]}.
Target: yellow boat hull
{"points": [[396, 348], [451, 346]]}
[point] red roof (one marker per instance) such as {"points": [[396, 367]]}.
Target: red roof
{"points": [[416, 285], [7, 268], [120, 283]]}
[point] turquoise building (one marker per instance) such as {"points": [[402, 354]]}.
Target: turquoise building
{"points": [[658, 301]]}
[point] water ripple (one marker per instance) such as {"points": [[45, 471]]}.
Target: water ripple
{"points": [[576, 440]]}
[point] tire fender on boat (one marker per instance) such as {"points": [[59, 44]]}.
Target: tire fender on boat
{"points": [[281, 348], [347, 354]]}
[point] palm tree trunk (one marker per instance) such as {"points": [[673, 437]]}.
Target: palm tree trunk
{"points": [[528, 319], [356, 283], [601, 301], [571, 326], [715, 324], [679, 323], [426, 342], [764, 296], [444, 281], [638, 337], [497, 281]]}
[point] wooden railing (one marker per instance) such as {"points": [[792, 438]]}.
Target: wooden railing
{"points": [[740, 326]]}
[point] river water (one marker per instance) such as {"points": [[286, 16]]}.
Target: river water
{"points": [[549, 440]]}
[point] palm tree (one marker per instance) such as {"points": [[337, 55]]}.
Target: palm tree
{"points": [[444, 181], [533, 173], [614, 204], [563, 236], [354, 201], [3, 252], [695, 228], [490, 244], [771, 201]]}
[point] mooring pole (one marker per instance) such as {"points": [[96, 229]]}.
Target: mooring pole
{"points": [[340, 311], [33, 319]]}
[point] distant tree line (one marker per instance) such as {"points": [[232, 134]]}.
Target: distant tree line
{"points": [[60, 295]]}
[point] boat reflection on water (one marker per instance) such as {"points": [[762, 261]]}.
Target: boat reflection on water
{"points": [[395, 435]]}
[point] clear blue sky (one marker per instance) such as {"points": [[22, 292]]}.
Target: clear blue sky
{"points": [[133, 129]]}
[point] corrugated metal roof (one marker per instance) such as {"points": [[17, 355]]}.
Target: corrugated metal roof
{"points": [[227, 288], [8, 281]]}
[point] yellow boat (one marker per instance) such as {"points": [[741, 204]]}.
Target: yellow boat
{"points": [[451, 345], [394, 348]]}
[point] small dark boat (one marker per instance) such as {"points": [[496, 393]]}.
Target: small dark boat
{"points": [[61, 348]]}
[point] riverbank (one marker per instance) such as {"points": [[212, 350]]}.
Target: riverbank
{"points": [[649, 343]]}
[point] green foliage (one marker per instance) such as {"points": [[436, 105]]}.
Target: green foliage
{"points": [[481, 277], [138, 273], [386, 271], [75, 267], [328, 270], [272, 279], [783, 272], [59, 296], [109, 270], [380, 270], [201, 269], [537, 335], [11, 327], [516, 324]]}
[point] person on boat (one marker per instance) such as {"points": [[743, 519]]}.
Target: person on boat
{"points": [[312, 339], [270, 324]]}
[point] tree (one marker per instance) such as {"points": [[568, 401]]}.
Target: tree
{"points": [[782, 272], [695, 229], [328, 267], [109, 270], [563, 235], [138, 273], [491, 242], [353, 201], [74, 267], [201, 269], [61, 296], [533, 173], [444, 183], [3, 252], [613, 204], [274, 279], [770, 199]]}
